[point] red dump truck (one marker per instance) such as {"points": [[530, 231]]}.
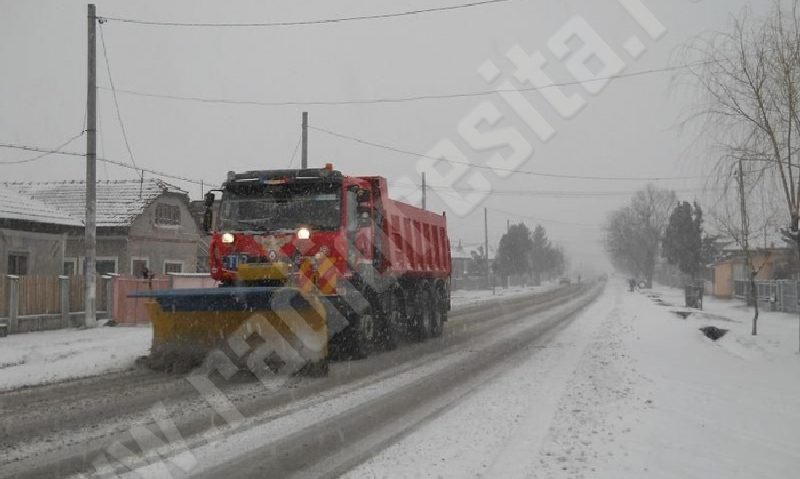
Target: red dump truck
{"points": [[355, 265]]}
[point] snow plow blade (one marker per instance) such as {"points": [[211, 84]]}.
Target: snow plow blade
{"points": [[256, 327]]}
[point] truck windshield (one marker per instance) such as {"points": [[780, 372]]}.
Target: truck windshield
{"points": [[282, 207]]}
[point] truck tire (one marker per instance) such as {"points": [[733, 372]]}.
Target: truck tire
{"points": [[438, 309], [423, 315], [360, 336], [388, 332]]}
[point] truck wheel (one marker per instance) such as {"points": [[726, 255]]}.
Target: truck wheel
{"points": [[360, 336], [437, 315], [423, 316], [390, 323]]}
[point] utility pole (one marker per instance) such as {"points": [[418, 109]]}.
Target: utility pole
{"points": [[486, 247], [751, 274], [304, 153], [90, 300], [424, 193]]}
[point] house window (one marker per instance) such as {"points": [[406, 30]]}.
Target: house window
{"points": [[173, 267], [102, 265], [106, 265], [139, 266], [18, 263], [167, 214], [70, 267]]}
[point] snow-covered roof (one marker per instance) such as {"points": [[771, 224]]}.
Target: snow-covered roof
{"points": [[759, 240], [466, 253], [16, 206], [119, 202]]}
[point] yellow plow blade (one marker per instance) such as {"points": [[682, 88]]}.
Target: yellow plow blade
{"points": [[281, 325]]}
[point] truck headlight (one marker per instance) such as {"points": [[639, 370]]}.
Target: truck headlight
{"points": [[303, 234], [227, 238]]}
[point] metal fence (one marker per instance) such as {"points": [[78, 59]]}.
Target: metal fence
{"points": [[775, 295], [741, 289]]}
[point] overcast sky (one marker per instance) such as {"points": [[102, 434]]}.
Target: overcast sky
{"points": [[625, 130]]}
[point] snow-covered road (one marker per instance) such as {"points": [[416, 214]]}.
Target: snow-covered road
{"points": [[629, 389], [625, 388], [63, 427], [51, 356]]}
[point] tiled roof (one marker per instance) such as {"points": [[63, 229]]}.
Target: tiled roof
{"points": [[119, 202], [16, 206]]}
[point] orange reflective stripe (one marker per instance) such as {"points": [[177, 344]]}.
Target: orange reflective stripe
{"points": [[305, 279], [327, 277]]}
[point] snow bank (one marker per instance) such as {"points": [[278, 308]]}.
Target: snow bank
{"points": [[777, 337], [729, 408], [465, 297], [628, 390], [48, 356]]}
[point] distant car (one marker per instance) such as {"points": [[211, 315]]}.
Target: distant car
{"points": [[564, 281]]}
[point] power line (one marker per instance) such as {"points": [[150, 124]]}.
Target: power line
{"points": [[106, 160], [405, 99], [544, 220], [43, 153], [296, 23], [521, 172], [114, 94], [539, 220], [553, 193], [294, 153]]}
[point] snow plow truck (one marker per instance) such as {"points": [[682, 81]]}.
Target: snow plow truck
{"points": [[310, 263]]}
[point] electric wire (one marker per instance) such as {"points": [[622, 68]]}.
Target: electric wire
{"points": [[294, 153], [381, 16], [555, 194], [537, 219], [544, 220], [109, 161], [44, 152], [405, 99], [522, 172], [114, 94]]}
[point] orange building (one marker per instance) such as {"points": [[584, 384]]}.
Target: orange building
{"points": [[772, 262]]}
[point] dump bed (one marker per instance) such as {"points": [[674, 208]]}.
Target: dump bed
{"points": [[415, 241]]}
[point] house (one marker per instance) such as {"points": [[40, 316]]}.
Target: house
{"points": [[198, 210], [140, 224], [772, 256], [469, 267], [33, 235]]}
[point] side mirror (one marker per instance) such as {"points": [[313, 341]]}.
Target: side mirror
{"points": [[363, 196], [208, 218]]}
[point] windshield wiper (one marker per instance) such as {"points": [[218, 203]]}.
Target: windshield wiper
{"points": [[252, 221]]}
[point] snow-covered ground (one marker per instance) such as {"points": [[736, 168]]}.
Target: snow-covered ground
{"points": [[630, 389], [49, 356], [465, 297]]}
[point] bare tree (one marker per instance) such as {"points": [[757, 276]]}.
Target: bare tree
{"points": [[750, 77], [735, 220], [634, 232]]}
